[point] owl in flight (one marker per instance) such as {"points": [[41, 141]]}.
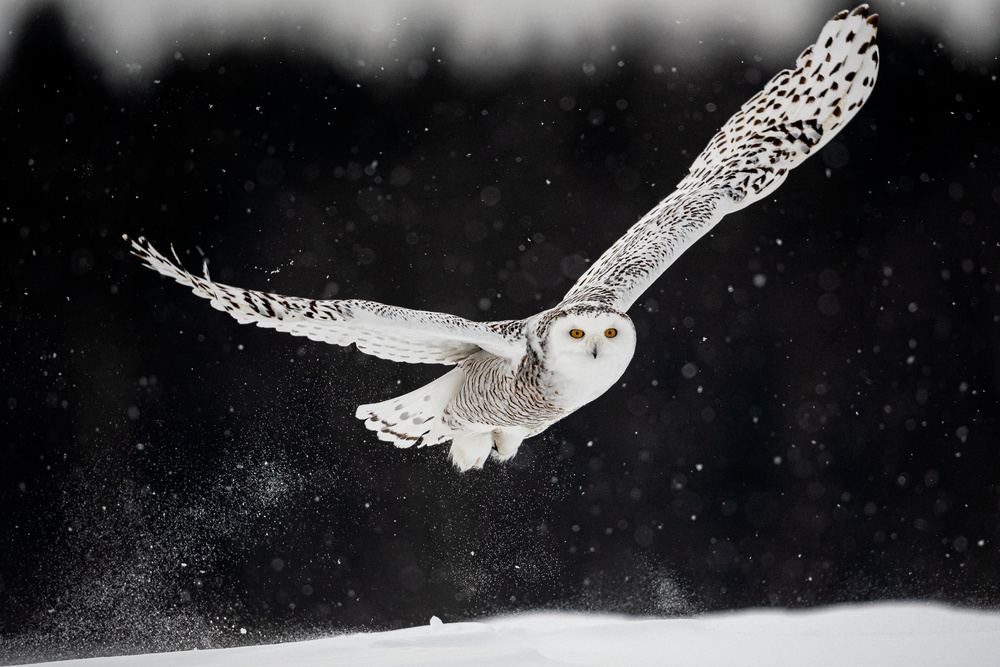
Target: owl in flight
{"points": [[515, 378]]}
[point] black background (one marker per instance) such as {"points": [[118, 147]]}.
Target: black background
{"points": [[810, 418]]}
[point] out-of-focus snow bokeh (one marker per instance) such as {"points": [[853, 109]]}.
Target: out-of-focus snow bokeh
{"points": [[811, 417]]}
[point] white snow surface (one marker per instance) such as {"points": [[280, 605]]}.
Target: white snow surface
{"points": [[883, 634]]}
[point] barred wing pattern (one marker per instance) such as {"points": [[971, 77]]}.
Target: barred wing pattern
{"points": [[513, 378], [387, 332], [795, 114]]}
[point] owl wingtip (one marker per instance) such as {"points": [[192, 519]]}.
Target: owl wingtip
{"points": [[137, 242], [860, 10], [139, 246]]}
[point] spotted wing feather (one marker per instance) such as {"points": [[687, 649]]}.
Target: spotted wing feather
{"points": [[388, 332], [795, 115]]}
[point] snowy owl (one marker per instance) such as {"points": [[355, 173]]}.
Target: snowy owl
{"points": [[515, 378]]}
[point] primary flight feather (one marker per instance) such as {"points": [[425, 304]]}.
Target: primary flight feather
{"points": [[515, 378]]}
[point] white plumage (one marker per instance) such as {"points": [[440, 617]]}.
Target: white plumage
{"points": [[515, 378]]}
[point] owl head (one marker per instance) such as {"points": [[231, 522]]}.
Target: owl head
{"points": [[586, 348]]}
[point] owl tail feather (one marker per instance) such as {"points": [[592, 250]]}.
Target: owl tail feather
{"points": [[417, 418]]}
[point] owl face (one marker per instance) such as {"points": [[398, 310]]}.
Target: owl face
{"points": [[588, 351], [598, 337]]}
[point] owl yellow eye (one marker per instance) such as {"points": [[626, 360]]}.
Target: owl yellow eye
{"points": [[576, 333], [610, 333]]}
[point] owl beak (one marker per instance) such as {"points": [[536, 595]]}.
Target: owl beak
{"points": [[593, 349]]}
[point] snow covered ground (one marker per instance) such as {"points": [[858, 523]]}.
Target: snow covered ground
{"points": [[884, 634]]}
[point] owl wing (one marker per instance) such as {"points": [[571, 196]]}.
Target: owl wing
{"points": [[795, 114], [388, 332]]}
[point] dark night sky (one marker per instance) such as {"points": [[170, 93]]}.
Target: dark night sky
{"points": [[811, 416]]}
